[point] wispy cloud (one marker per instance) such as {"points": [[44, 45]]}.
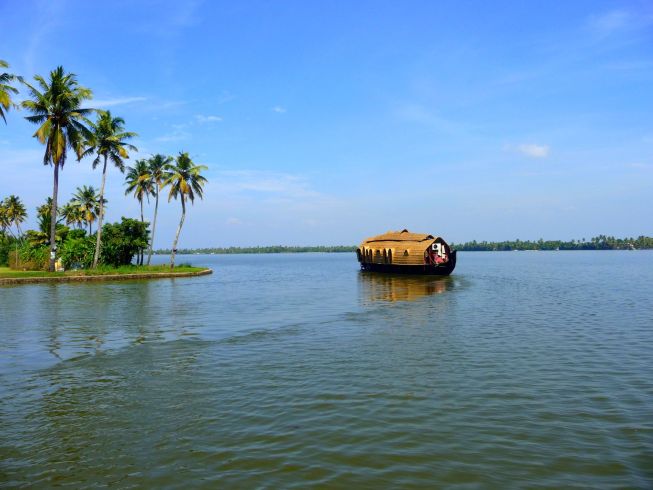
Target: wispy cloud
{"points": [[101, 103], [203, 119], [279, 109], [234, 221], [178, 133], [530, 150], [609, 22], [271, 183]]}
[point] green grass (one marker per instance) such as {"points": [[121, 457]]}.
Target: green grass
{"points": [[101, 271]]}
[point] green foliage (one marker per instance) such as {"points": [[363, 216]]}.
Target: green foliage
{"points": [[7, 244], [601, 242], [77, 251], [121, 241], [31, 257]]}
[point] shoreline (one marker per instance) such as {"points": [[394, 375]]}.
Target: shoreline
{"points": [[102, 277]]}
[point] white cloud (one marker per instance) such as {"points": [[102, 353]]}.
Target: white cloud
{"points": [[101, 103], [202, 119], [531, 150], [234, 221], [279, 109]]}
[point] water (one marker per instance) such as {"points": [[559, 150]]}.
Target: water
{"points": [[520, 370]]}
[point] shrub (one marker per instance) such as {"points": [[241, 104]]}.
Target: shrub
{"points": [[30, 257], [121, 241], [77, 251]]}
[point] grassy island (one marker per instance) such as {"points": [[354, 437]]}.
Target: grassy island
{"points": [[10, 276]]}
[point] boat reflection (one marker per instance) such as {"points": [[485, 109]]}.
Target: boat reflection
{"points": [[395, 287]]}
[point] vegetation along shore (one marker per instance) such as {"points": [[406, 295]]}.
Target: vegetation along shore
{"points": [[597, 243], [65, 238]]}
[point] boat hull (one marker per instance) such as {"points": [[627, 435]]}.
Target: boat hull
{"points": [[422, 270]]}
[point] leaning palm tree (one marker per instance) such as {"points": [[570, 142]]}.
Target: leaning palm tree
{"points": [[157, 166], [16, 212], [56, 107], [6, 90], [185, 181], [87, 201], [108, 140], [139, 182]]}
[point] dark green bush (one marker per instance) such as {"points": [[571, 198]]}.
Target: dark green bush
{"points": [[121, 241]]}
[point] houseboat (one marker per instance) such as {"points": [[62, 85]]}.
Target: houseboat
{"points": [[403, 252]]}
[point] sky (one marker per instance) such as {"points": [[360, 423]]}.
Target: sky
{"points": [[325, 122]]}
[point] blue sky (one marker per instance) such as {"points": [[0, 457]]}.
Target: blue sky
{"points": [[325, 122]]}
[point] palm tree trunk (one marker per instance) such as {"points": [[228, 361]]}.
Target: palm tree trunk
{"points": [[181, 223], [98, 240], [156, 208], [53, 219], [141, 251]]}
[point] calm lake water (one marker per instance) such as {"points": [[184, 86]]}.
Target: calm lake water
{"points": [[528, 369]]}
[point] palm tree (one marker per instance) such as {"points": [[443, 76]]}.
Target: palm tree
{"points": [[87, 201], [16, 212], [5, 221], [157, 166], [139, 181], [6, 90], [56, 107], [185, 180], [108, 140], [72, 214]]}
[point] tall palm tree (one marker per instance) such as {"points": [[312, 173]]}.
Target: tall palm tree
{"points": [[56, 108], [185, 181], [16, 212], [6, 90], [87, 200], [157, 167], [108, 140], [139, 182]]}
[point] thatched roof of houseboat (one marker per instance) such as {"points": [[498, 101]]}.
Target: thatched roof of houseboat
{"points": [[403, 239]]}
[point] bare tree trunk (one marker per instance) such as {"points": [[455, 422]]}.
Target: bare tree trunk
{"points": [[53, 219], [181, 223], [98, 240], [156, 209]]}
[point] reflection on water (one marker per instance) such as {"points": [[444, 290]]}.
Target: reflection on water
{"points": [[396, 287]]}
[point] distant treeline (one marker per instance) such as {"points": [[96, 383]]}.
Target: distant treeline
{"points": [[261, 250], [600, 242]]}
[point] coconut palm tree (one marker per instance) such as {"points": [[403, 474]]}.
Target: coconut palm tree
{"points": [[72, 214], [108, 140], [16, 212], [56, 107], [185, 181], [139, 182], [87, 201], [157, 167], [5, 221], [6, 90]]}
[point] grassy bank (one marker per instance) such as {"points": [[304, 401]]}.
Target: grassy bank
{"points": [[8, 276]]}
